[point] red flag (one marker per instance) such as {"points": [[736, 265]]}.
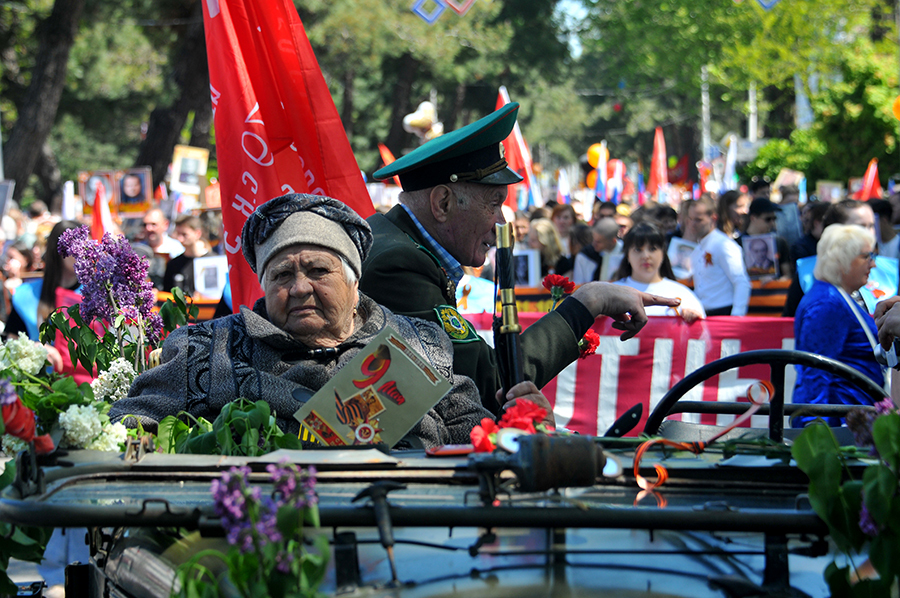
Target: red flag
{"points": [[277, 129], [871, 185], [387, 157], [519, 158], [658, 167], [101, 219]]}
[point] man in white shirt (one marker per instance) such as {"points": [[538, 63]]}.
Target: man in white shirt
{"points": [[720, 276], [601, 259]]}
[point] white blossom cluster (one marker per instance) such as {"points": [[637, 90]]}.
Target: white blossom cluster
{"points": [[23, 353], [10, 445], [113, 384], [81, 425], [110, 438]]}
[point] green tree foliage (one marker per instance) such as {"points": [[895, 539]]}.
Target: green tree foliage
{"points": [[853, 124]]}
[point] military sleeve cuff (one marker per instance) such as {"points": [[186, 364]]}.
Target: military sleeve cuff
{"points": [[576, 316]]}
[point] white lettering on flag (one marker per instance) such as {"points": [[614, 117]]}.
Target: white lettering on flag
{"points": [[662, 370], [564, 407], [611, 348]]}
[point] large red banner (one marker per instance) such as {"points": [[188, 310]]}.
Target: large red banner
{"points": [[277, 129], [590, 394]]}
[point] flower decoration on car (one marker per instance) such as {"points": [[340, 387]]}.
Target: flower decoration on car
{"points": [[560, 286], [268, 554], [523, 415]]}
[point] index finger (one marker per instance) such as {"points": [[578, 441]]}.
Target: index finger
{"points": [[649, 299]]}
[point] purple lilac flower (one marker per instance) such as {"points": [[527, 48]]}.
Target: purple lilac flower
{"points": [[885, 406], [8, 394], [866, 523], [111, 267], [283, 561], [287, 489]]}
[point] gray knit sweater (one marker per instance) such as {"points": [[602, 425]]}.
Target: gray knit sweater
{"points": [[208, 365]]}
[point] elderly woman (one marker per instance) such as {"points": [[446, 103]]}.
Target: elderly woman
{"points": [[307, 251], [829, 322]]}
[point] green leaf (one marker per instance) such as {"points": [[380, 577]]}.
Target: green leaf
{"points": [[884, 553], [879, 487], [9, 470], [886, 432]]}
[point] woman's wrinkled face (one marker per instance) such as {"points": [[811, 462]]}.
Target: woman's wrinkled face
{"points": [[857, 274], [308, 296], [645, 262]]}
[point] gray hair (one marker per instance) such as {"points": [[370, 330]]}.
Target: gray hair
{"points": [[607, 228], [837, 248]]}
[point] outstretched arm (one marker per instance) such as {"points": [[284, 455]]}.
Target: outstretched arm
{"points": [[623, 304]]}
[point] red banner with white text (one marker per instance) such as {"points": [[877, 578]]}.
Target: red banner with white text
{"points": [[590, 394], [277, 129]]}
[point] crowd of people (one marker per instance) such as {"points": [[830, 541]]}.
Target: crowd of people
{"points": [[330, 281]]}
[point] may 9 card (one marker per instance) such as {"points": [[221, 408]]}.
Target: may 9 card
{"points": [[377, 397]]}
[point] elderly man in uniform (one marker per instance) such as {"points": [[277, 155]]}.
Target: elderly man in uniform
{"points": [[453, 189]]}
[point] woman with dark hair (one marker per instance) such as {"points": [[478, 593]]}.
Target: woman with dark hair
{"points": [[646, 267], [732, 209], [36, 299]]}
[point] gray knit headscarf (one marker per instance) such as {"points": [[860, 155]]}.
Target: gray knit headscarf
{"points": [[299, 219]]}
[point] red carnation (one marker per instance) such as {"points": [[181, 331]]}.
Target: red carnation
{"points": [[588, 344], [552, 281], [43, 445], [523, 414], [480, 436], [19, 420]]}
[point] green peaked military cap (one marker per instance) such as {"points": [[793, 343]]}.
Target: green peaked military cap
{"points": [[470, 154]]}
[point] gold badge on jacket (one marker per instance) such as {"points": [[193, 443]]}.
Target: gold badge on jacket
{"points": [[456, 327]]}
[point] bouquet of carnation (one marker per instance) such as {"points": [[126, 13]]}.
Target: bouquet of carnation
{"points": [[267, 554], [523, 415]]}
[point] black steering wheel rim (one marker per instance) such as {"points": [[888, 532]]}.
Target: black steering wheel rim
{"points": [[777, 360]]}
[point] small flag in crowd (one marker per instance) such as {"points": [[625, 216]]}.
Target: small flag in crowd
{"points": [[101, 219], [519, 158], [563, 191], [659, 172]]}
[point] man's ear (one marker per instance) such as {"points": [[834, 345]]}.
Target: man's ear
{"points": [[440, 200]]}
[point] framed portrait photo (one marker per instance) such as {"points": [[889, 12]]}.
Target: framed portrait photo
{"points": [[761, 256], [90, 182], [680, 255], [135, 187], [527, 265]]}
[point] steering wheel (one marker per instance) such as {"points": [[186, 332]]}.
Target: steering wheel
{"points": [[777, 360]]}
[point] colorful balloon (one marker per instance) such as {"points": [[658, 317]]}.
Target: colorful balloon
{"points": [[594, 153], [895, 109], [591, 180]]}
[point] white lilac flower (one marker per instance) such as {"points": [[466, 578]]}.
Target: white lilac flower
{"points": [[113, 435], [23, 353], [113, 384], [10, 445], [81, 425]]}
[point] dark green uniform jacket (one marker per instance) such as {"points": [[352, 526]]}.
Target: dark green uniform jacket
{"points": [[404, 276]]}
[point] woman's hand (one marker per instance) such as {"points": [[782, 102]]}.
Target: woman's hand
{"points": [[688, 315], [54, 357], [527, 390]]}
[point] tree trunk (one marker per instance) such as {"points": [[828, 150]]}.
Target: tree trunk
{"points": [[400, 104], [347, 102], [47, 170], [192, 76], [452, 117], [202, 125], [48, 78]]}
